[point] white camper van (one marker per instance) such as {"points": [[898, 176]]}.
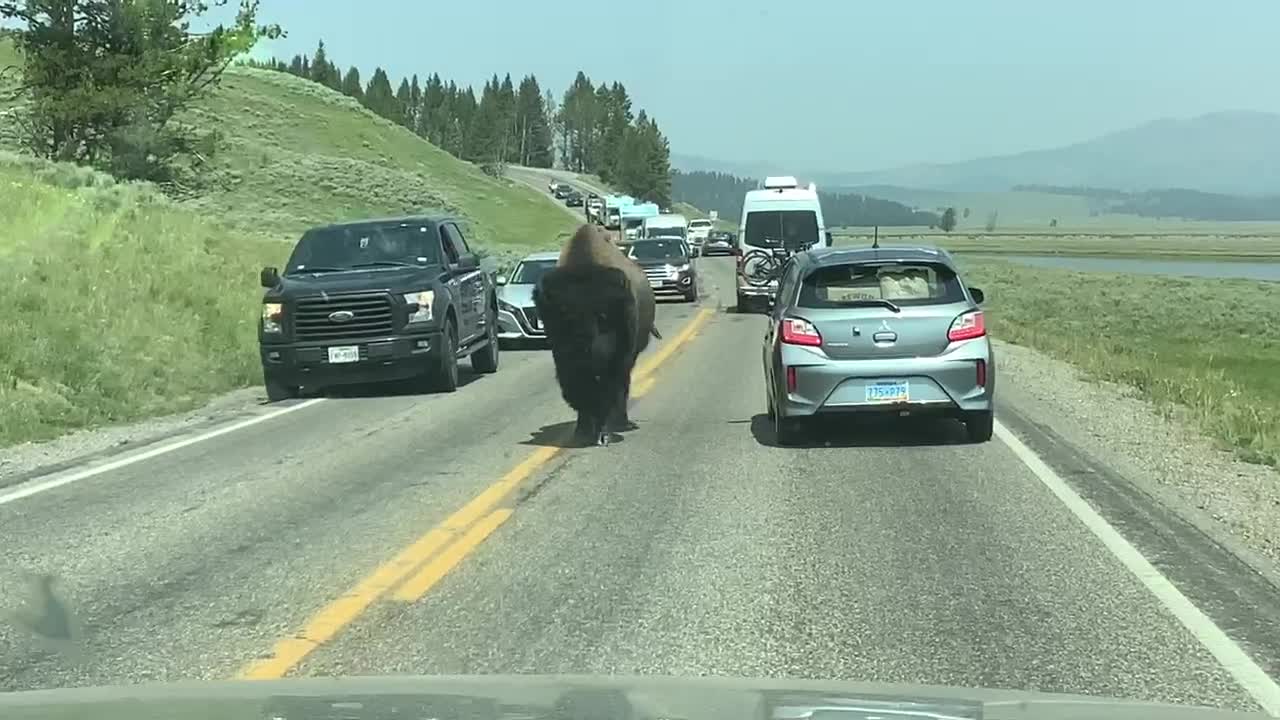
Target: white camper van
{"points": [[667, 225], [780, 214]]}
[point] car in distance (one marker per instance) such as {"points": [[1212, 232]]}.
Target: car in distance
{"points": [[719, 242], [376, 300], [518, 319], [877, 330], [563, 190], [573, 199], [667, 263]]}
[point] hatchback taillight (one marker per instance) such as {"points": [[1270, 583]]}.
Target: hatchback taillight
{"points": [[967, 326], [800, 332]]}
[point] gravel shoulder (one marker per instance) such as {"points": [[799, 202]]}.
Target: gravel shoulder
{"points": [[1235, 503]]}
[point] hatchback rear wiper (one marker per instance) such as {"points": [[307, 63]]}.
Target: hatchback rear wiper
{"points": [[872, 303]]}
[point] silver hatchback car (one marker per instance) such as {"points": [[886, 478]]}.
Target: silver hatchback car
{"points": [[881, 330]]}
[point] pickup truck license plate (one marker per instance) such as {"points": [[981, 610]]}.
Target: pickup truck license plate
{"points": [[344, 354], [888, 392]]}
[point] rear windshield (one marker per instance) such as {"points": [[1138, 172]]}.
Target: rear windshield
{"points": [[902, 283], [778, 228], [700, 223], [669, 231], [368, 245]]}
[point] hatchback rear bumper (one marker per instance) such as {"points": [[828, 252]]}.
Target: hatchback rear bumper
{"points": [[948, 383]]}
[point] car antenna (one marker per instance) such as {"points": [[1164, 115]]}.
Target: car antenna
{"points": [[875, 241]]}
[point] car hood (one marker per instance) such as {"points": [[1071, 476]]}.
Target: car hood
{"points": [[520, 295], [533, 697], [406, 279]]}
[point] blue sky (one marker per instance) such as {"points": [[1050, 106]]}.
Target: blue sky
{"points": [[836, 84]]}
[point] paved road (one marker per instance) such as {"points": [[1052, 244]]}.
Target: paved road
{"points": [[692, 547]]}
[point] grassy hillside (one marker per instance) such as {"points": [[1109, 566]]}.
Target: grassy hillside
{"points": [[128, 304]]}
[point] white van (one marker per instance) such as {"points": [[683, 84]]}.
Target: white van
{"points": [[780, 214], [667, 225]]}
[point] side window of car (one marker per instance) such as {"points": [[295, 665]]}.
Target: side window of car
{"points": [[447, 244], [459, 240]]}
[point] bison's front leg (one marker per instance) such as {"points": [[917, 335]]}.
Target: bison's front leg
{"points": [[619, 420]]}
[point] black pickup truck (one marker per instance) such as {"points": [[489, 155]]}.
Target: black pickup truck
{"points": [[374, 300]]}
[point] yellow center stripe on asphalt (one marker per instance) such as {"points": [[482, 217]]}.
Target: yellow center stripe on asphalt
{"points": [[439, 550]]}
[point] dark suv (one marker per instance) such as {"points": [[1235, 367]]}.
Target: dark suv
{"points": [[375, 300], [666, 262]]}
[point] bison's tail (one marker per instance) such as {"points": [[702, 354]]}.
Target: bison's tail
{"points": [[653, 330]]}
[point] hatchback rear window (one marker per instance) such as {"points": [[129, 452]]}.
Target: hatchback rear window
{"points": [[902, 283]]}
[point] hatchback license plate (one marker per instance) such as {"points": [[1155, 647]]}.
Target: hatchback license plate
{"points": [[890, 392], [344, 354]]}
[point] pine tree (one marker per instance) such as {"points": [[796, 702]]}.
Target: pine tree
{"points": [[323, 71], [437, 111], [404, 107], [351, 84], [415, 102], [378, 96]]}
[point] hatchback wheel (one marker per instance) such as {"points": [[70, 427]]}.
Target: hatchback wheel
{"points": [[979, 425], [786, 430]]}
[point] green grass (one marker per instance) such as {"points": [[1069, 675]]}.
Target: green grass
{"points": [[124, 304], [120, 303], [1208, 345]]}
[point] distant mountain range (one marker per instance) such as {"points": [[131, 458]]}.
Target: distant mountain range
{"points": [[1234, 152]]}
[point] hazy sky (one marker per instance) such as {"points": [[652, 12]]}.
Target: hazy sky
{"points": [[835, 84]]}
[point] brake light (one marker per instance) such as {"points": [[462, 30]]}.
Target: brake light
{"points": [[800, 332], [791, 380], [982, 373], [967, 326]]}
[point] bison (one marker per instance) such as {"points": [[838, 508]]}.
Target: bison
{"points": [[598, 313]]}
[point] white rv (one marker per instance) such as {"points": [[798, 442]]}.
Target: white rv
{"points": [[781, 214]]}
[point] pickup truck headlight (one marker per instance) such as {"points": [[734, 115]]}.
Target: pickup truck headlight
{"points": [[420, 305], [272, 317]]}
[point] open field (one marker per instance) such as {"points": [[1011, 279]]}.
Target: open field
{"points": [[1208, 345], [129, 304], [1215, 244]]}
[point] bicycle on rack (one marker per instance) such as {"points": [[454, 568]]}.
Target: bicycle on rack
{"points": [[763, 265]]}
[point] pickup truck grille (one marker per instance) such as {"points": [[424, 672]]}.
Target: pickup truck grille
{"points": [[372, 317]]}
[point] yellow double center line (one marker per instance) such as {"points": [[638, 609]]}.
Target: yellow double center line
{"points": [[417, 568]]}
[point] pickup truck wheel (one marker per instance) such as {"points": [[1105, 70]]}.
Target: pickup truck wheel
{"points": [[485, 360], [444, 375], [277, 391]]}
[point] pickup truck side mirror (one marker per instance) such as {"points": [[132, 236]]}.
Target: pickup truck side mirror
{"points": [[468, 262], [830, 238], [269, 277], [978, 296]]}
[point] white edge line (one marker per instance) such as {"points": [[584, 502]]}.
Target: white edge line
{"points": [[38, 486], [1229, 654]]}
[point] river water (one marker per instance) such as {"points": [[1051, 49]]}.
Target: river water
{"points": [[1268, 271]]}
